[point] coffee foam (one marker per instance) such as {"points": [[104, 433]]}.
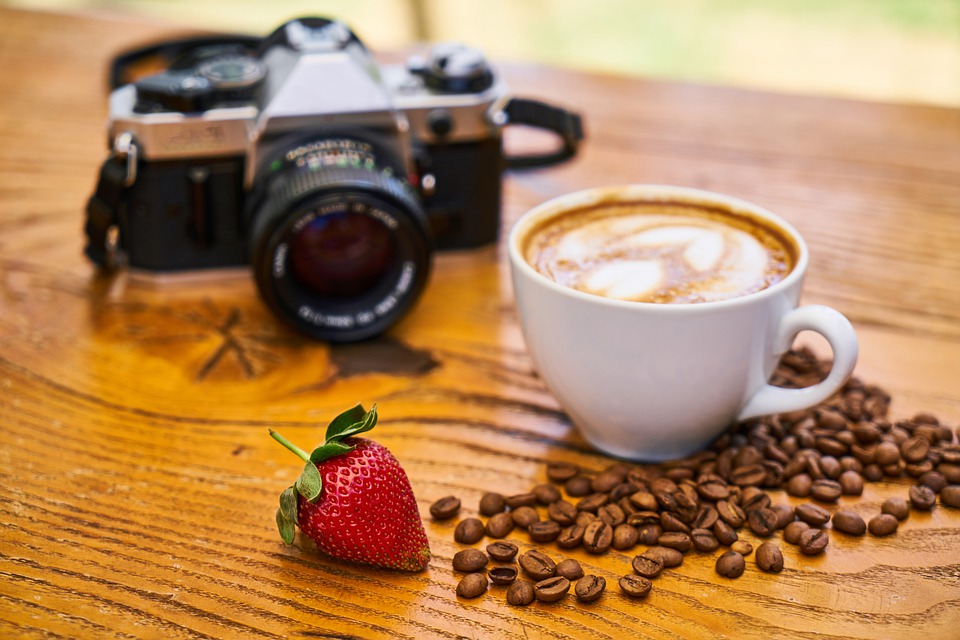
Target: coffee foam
{"points": [[659, 252]]}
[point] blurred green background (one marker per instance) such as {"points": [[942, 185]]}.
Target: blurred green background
{"points": [[888, 50]]}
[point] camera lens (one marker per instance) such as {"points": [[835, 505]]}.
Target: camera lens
{"points": [[340, 246], [342, 255]]}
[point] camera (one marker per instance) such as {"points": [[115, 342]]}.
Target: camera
{"points": [[333, 177]]}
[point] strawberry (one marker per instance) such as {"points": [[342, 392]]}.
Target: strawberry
{"points": [[354, 499]]}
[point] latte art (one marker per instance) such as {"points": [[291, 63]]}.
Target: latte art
{"points": [[659, 252]]}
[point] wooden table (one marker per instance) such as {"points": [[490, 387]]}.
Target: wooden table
{"points": [[139, 481]]}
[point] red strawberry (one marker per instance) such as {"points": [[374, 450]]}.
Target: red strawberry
{"points": [[354, 499]]}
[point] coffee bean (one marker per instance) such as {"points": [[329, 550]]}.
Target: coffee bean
{"points": [[705, 518], [812, 514], [922, 497], [546, 494], [635, 586], [704, 540], [799, 485], [500, 525], [896, 507], [445, 508], [667, 556], [492, 503], [934, 480], [951, 472], [551, 589], [713, 488], [886, 453], [606, 481], [597, 537], [562, 512], [524, 516], [950, 496], [569, 569], [571, 536], [750, 475], [726, 534], [472, 585], [520, 593], [882, 525], [589, 588], [648, 534], [624, 537], [612, 514], [469, 531], [743, 547], [753, 498], [914, 449], [792, 532], [518, 500], [813, 541], [769, 557], [731, 565], [849, 522], [644, 501], [671, 522], [578, 486], [502, 551], [502, 575], [544, 531], [584, 518], [826, 490], [851, 483], [561, 471], [873, 472], [469, 560], [648, 566], [676, 540], [537, 565], [763, 522], [785, 515], [731, 514], [593, 502]]}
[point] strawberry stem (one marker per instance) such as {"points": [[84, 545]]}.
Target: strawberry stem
{"points": [[303, 455]]}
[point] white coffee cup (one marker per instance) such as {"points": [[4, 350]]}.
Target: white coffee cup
{"points": [[652, 381]]}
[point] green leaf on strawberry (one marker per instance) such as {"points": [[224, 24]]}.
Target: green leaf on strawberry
{"points": [[354, 499]]}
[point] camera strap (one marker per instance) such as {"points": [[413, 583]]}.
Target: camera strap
{"points": [[540, 115], [104, 208]]}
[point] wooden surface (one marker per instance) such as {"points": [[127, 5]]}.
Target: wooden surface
{"points": [[138, 479]]}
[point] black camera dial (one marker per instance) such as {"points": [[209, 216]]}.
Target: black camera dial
{"points": [[233, 72], [454, 68]]}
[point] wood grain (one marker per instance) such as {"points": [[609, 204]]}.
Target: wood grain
{"points": [[139, 482]]}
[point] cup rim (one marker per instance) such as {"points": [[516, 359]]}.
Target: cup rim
{"points": [[576, 199]]}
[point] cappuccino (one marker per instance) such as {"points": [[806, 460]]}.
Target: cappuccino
{"points": [[660, 252]]}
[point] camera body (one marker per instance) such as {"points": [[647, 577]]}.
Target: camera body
{"points": [[334, 177]]}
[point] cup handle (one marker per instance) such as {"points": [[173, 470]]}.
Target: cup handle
{"points": [[838, 331]]}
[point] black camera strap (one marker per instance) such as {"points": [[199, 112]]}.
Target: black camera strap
{"points": [[105, 206], [566, 124]]}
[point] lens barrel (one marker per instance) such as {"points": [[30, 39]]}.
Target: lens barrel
{"points": [[340, 253]]}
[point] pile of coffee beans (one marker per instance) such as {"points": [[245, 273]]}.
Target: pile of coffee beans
{"points": [[700, 503]]}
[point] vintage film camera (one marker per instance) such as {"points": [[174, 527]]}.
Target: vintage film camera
{"points": [[333, 177]]}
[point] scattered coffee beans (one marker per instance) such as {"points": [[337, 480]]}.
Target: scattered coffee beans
{"points": [[445, 508], [635, 586], [700, 503], [590, 588], [731, 565], [769, 557], [472, 585], [520, 593]]}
